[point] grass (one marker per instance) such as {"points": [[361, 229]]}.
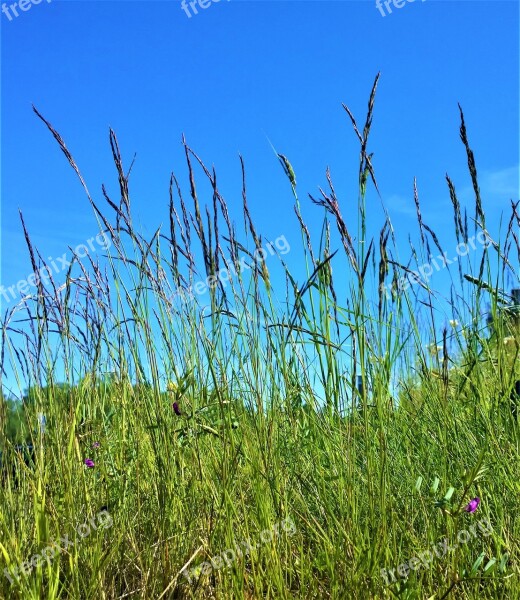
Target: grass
{"points": [[272, 444]]}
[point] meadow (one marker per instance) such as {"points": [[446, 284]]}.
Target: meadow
{"points": [[324, 437]]}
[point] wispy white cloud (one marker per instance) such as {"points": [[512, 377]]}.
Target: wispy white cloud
{"points": [[395, 203], [497, 188]]}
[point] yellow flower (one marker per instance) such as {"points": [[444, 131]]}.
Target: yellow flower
{"points": [[433, 349], [171, 387]]}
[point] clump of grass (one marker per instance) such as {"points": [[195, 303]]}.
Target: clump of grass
{"points": [[205, 428]]}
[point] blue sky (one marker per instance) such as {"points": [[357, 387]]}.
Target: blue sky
{"points": [[234, 73]]}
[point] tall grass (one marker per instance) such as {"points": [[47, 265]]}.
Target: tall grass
{"points": [[316, 401]]}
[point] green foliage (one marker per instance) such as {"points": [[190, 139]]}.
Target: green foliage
{"points": [[207, 428]]}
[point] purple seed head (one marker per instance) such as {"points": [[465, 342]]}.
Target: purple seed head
{"points": [[176, 409], [89, 462], [96, 445], [471, 507]]}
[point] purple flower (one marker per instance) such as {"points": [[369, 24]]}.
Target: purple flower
{"points": [[89, 462], [472, 506], [176, 409], [96, 445]]}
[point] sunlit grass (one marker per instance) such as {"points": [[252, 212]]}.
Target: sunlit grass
{"points": [[364, 423]]}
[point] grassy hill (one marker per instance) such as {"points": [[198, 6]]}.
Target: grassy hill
{"points": [[317, 438]]}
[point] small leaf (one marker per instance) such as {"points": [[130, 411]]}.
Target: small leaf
{"points": [[449, 494], [503, 563], [418, 483], [477, 564], [490, 565], [435, 485]]}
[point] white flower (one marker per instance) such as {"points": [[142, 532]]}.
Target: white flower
{"points": [[454, 323]]}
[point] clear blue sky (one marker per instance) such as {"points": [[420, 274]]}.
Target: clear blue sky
{"points": [[239, 69]]}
